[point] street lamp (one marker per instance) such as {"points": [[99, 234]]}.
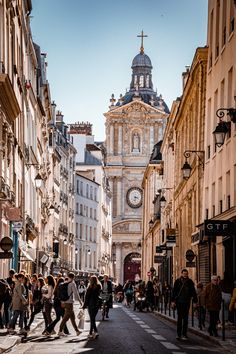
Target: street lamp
{"points": [[65, 241], [38, 180], [186, 169], [151, 224], [223, 127], [163, 199], [76, 250]]}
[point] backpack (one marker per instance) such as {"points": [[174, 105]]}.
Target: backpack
{"points": [[63, 292]]}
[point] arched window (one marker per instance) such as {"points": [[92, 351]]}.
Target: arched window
{"points": [[141, 81], [147, 81]]}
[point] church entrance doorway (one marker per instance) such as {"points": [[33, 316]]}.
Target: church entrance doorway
{"points": [[132, 266]]}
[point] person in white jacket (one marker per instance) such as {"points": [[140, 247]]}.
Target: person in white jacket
{"points": [[68, 306]]}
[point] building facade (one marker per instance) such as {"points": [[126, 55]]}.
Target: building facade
{"points": [[133, 125], [86, 223], [90, 164], [220, 164]]}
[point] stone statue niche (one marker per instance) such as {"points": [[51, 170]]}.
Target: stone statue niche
{"points": [[136, 142]]}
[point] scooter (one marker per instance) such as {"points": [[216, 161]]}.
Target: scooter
{"points": [[141, 302], [119, 296]]}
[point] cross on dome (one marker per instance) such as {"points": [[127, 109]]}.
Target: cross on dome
{"points": [[142, 36]]}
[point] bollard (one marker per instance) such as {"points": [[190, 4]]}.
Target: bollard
{"points": [[199, 313], [192, 313], [223, 319]]}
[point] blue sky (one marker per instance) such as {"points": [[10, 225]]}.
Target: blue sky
{"points": [[90, 45]]}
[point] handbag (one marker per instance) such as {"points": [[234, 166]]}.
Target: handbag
{"points": [[99, 302], [81, 317]]}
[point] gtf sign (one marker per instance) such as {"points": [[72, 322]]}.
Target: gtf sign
{"points": [[219, 227]]}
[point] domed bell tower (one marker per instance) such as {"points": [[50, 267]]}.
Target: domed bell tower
{"points": [[134, 124]]}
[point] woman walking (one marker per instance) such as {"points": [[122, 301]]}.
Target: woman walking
{"points": [[59, 310], [92, 303], [47, 296]]}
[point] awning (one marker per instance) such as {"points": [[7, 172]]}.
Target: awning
{"points": [[26, 255]]}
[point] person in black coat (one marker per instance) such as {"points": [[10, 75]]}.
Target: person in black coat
{"points": [[183, 292], [107, 289], [92, 303]]}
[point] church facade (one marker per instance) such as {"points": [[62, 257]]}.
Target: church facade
{"points": [[133, 125]]}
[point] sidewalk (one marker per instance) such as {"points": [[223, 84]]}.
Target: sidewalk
{"points": [[8, 341], [230, 332]]}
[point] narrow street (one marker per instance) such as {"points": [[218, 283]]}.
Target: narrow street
{"points": [[125, 331]]}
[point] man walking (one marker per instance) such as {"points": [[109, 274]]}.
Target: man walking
{"points": [[68, 305], [183, 292], [213, 298]]}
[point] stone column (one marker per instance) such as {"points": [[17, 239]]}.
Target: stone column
{"points": [[151, 133], [119, 196], [119, 264], [120, 138], [111, 139]]}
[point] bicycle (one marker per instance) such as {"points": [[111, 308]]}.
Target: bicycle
{"points": [[105, 298]]}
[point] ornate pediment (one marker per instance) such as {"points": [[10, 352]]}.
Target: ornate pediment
{"points": [[127, 226], [137, 106]]}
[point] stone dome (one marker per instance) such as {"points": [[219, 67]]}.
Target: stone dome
{"points": [[141, 59]]}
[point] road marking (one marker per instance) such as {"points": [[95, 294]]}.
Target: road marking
{"points": [[158, 337], [140, 322], [169, 345], [144, 326], [151, 331]]}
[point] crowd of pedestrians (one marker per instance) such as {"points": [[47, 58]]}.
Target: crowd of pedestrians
{"points": [[209, 300], [22, 297]]}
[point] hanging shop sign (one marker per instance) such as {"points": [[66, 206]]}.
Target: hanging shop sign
{"points": [[158, 259], [219, 227]]}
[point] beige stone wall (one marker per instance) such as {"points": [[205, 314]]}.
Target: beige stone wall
{"points": [[220, 168], [185, 131]]}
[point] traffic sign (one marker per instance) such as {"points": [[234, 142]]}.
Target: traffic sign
{"points": [[190, 255], [6, 243]]}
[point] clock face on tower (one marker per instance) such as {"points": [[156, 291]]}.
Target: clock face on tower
{"points": [[134, 197]]}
